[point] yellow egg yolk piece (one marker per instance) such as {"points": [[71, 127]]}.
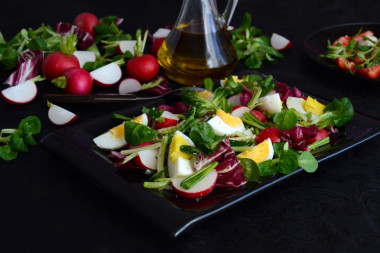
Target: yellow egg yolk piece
{"points": [[204, 94], [175, 151], [229, 119], [258, 153], [118, 131], [313, 106], [139, 119]]}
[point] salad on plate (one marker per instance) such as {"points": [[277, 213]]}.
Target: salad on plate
{"points": [[248, 129]]}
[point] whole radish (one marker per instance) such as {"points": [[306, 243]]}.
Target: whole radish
{"points": [[87, 21], [56, 63], [74, 81], [143, 67]]}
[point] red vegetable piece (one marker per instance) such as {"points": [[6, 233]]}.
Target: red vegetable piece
{"points": [[345, 64], [321, 135], [78, 81], [359, 36], [56, 63], [344, 41], [371, 72], [258, 115], [156, 46], [144, 68], [87, 21], [271, 132]]}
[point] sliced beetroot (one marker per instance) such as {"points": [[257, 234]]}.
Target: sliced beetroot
{"points": [[30, 64], [85, 40], [245, 95]]}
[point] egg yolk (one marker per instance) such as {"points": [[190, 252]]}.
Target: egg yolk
{"points": [[118, 131], [175, 151], [258, 153], [230, 120], [204, 94], [313, 106]]}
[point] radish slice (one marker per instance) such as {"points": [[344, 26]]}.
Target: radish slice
{"points": [[126, 45], [147, 159], [234, 100], [240, 111], [200, 189], [129, 85], [161, 33], [22, 93], [279, 42], [85, 56], [107, 75], [60, 116]]}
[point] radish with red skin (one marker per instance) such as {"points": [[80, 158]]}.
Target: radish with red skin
{"points": [[199, 190], [107, 75], [234, 100], [21, 93], [60, 116], [280, 43], [238, 111], [142, 67], [321, 135], [125, 45], [147, 159], [74, 81], [161, 33], [57, 62], [156, 46], [129, 85], [271, 132], [85, 56], [258, 115], [170, 120], [87, 21]]}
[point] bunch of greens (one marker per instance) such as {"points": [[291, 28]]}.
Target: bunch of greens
{"points": [[252, 46], [18, 140]]}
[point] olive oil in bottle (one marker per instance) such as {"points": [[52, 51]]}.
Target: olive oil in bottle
{"points": [[190, 54]]}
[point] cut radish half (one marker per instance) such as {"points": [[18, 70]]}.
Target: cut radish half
{"points": [[107, 75], [129, 85], [60, 116], [279, 42], [161, 33], [234, 100], [126, 45], [22, 93], [85, 56], [238, 112], [147, 159], [199, 190], [170, 119]]}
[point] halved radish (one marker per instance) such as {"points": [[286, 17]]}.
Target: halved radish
{"points": [[170, 119], [234, 100], [238, 112], [279, 42], [129, 85], [107, 75], [85, 56], [147, 159], [199, 190], [60, 116], [161, 33], [258, 115], [22, 93], [126, 45]]}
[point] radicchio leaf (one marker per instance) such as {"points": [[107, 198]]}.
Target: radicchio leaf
{"points": [[297, 136], [160, 89], [285, 92], [29, 66], [177, 108], [245, 95], [85, 40]]}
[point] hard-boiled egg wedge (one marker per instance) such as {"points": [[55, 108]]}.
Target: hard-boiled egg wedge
{"points": [[259, 153], [114, 138], [180, 163], [304, 106], [206, 95], [235, 78], [270, 103], [225, 124]]}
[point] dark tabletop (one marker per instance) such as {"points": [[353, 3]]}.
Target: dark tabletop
{"points": [[46, 206]]}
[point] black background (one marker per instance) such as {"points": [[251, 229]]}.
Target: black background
{"points": [[46, 206]]}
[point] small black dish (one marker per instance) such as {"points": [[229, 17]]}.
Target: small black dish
{"points": [[315, 44]]}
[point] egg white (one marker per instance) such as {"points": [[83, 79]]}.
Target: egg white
{"points": [[221, 128]]}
